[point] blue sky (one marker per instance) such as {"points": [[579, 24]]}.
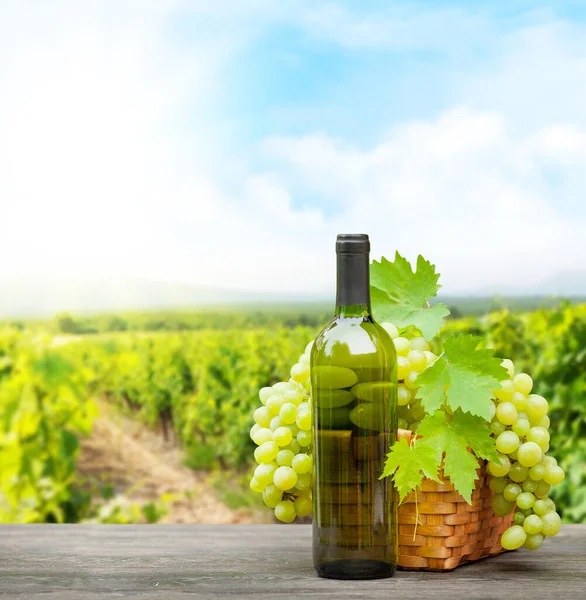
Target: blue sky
{"points": [[226, 143]]}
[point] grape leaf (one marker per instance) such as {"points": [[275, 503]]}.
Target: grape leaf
{"points": [[450, 440], [400, 295], [469, 374], [409, 464]]}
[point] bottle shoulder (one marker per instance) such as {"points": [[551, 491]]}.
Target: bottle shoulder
{"points": [[354, 336]]}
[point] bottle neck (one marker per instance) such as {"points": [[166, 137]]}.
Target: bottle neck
{"points": [[353, 285]]}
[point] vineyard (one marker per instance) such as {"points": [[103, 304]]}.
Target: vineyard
{"points": [[200, 387]]}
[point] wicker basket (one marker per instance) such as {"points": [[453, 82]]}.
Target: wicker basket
{"points": [[439, 530]]}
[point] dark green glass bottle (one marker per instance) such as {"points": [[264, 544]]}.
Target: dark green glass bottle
{"points": [[353, 385]]}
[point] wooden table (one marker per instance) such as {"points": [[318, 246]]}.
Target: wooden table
{"points": [[69, 562]]}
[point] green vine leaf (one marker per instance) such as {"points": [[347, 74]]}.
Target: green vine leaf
{"points": [[400, 295], [463, 375]]}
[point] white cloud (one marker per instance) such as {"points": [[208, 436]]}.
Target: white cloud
{"points": [[463, 190]]}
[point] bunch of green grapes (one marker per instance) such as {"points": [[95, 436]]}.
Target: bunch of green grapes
{"points": [[282, 433], [524, 474], [413, 356]]}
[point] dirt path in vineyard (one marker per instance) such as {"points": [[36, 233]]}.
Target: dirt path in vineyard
{"points": [[141, 465]]}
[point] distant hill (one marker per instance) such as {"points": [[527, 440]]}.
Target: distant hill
{"points": [[46, 297], [40, 298]]}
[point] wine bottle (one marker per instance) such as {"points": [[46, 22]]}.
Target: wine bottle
{"points": [[354, 391]]}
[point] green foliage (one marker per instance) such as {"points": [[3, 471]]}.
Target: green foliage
{"points": [[463, 375], [45, 404], [400, 295], [417, 461], [202, 386]]}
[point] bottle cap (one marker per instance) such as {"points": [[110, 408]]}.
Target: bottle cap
{"points": [[352, 243]]}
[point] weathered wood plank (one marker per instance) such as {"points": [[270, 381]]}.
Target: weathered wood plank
{"points": [[69, 562]]}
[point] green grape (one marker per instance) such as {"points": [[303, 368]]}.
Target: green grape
{"points": [[497, 484], [501, 468], [430, 358], [417, 359], [272, 496], [303, 482], [305, 407], [304, 420], [264, 434], [521, 427], [283, 386], [420, 343], [332, 399], [532, 525], [308, 348], [390, 329], [501, 506], [519, 401], [285, 478], [266, 452], [530, 454], [300, 373], [507, 441], [274, 404], [265, 393], [513, 455], [303, 506], [551, 524], [302, 464], [545, 422], [410, 381], [506, 413], [402, 346], [294, 396], [402, 424], [334, 378], [542, 489], [519, 518], [403, 395], [534, 541], [549, 460], [253, 430], [288, 413], [415, 426], [529, 485], [285, 511], [285, 458], [403, 367], [554, 474], [536, 408], [294, 446], [523, 383], [509, 366], [262, 416], [518, 472], [514, 537], [539, 435], [497, 427], [505, 392], [492, 408], [541, 507], [418, 412], [525, 500], [256, 486], [275, 423], [537, 472], [304, 438], [264, 473], [282, 436], [511, 491], [550, 505]]}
